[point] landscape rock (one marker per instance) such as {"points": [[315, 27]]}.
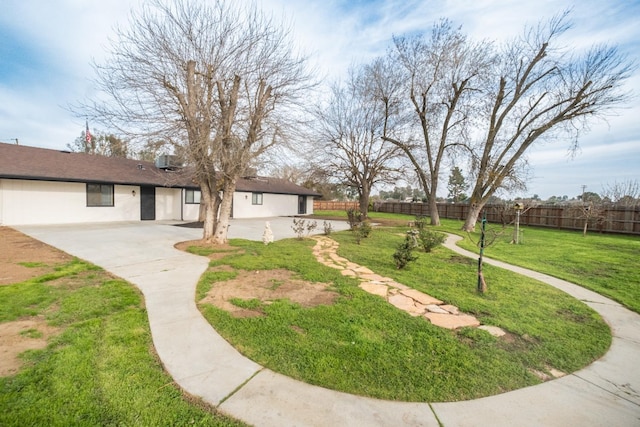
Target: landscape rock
{"points": [[375, 289], [450, 321], [421, 297], [493, 330]]}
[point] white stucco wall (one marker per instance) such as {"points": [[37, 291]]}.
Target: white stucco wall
{"points": [[47, 202], [272, 205], [1, 201], [191, 211]]}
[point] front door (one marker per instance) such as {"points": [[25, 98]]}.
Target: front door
{"points": [[147, 203], [302, 205]]}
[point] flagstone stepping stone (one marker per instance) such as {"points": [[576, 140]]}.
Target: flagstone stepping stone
{"points": [[451, 321], [338, 258], [362, 270], [493, 330], [373, 277], [375, 288], [420, 297], [398, 285], [433, 308], [450, 308], [402, 302], [401, 296], [349, 273]]}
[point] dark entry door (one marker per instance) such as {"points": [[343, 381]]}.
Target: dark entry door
{"points": [[302, 205], [147, 203]]}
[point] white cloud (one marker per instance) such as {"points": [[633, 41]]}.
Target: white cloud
{"points": [[67, 34]]}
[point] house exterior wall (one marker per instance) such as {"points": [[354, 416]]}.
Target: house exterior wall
{"points": [[272, 205], [25, 202], [47, 202], [190, 211]]}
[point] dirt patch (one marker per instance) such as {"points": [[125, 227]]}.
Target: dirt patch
{"points": [[209, 250], [23, 258], [267, 286], [19, 336]]}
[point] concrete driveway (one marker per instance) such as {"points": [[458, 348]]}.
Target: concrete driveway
{"points": [[606, 393]]}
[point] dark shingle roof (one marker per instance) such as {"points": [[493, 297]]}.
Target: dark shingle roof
{"points": [[22, 162], [272, 185]]}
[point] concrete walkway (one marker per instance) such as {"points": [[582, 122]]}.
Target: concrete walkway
{"points": [[606, 393]]}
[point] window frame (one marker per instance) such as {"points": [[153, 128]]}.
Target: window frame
{"points": [[193, 198], [257, 198], [102, 204]]}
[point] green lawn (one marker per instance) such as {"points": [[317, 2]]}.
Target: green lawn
{"points": [[101, 368], [604, 263], [363, 345]]}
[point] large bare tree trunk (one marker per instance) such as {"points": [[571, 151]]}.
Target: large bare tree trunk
{"points": [[433, 210], [472, 217], [210, 202], [363, 201], [222, 225]]}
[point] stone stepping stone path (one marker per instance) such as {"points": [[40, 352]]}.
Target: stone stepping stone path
{"points": [[414, 302]]}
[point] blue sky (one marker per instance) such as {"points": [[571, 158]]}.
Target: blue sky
{"points": [[46, 47]]}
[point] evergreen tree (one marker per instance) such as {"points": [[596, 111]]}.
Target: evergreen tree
{"points": [[457, 185]]}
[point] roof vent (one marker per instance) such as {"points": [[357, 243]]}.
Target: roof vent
{"points": [[167, 161]]}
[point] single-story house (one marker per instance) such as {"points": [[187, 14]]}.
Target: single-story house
{"points": [[44, 186]]}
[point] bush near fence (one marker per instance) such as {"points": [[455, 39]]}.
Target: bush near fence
{"points": [[613, 219]]}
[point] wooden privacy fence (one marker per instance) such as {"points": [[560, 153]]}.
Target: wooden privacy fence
{"points": [[612, 219]]}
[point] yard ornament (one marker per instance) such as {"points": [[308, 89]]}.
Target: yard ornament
{"points": [[267, 236]]}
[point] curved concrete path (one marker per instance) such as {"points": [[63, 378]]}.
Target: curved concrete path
{"points": [[606, 393]]}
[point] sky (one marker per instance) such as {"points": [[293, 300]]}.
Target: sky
{"points": [[47, 47]]}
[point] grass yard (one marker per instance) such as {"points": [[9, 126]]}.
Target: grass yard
{"points": [[98, 366], [604, 263], [363, 345]]}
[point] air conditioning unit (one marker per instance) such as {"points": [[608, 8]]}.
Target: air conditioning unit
{"points": [[250, 172], [168, 161]]}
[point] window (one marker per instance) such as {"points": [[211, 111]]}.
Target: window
{"points": [[99, 194], [256, 198], [192, 197]]}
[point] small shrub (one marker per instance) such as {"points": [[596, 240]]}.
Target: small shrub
{"points": [[328, 228], [404, 253], [420, 222], [311, 226], [365, 228], [430, 239], [298, 227], [361, 231], [354, 217]]}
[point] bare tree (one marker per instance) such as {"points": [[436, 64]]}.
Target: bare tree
{"points": [[349, 126], [430, 114], [623, 193], [214, 80], [538, 91]]}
